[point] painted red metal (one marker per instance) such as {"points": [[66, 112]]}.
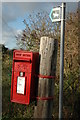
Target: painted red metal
{"points": [[25, 64]]}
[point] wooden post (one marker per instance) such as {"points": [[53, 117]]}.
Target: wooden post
{"points": [[48, 60]]}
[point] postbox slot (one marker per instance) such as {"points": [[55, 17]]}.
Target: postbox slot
{"points": [[21, 59]]}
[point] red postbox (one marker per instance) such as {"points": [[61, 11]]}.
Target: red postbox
{"points": [[23, 84]]}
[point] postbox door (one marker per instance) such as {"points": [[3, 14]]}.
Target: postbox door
{"points": [[21, 84]]}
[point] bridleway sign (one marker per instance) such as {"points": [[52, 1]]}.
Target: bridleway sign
{"points": [[55, 14]]}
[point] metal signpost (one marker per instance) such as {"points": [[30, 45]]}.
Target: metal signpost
{"points": [[55, 17]]}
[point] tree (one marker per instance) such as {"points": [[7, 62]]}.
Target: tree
{"points": [[39, 25]]}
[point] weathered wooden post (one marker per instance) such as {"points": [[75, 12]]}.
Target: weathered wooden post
{"points": [[47, 72]]}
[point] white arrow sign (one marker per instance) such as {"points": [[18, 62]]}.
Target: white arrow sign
{"points": [[55, 14]]}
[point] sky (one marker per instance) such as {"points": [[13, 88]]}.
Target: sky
{"points": [[13, 14]]}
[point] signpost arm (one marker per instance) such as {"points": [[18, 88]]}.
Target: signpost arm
{"points": [[62, 61]]}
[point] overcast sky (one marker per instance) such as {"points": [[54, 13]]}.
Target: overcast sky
{"points": [[14, 13]]}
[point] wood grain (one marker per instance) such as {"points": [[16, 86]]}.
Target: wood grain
{"points": [[48, 60]]}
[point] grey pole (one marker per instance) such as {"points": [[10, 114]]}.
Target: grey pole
{"points": [[61, 61]]}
